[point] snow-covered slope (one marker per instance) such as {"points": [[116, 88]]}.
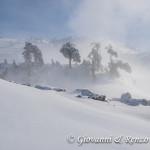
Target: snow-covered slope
{"points": [[41, 120]]}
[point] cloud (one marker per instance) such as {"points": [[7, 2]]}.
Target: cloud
{"points": [[122, 20]]}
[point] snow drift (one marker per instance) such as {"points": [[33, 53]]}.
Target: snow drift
{"points": [[35, 119]]}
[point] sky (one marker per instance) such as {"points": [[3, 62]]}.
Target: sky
{"points": [[41, 18], [126, 21]]}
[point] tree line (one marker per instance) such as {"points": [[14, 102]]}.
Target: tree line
{"points": [[93, 64]]}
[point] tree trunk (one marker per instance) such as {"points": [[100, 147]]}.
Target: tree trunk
{"points": [[70, 63], [93, 73]]}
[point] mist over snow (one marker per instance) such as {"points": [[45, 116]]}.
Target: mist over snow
{"points": [[136, 82]]}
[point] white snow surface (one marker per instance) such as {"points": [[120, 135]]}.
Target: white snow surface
{"points": [[34, 119]]}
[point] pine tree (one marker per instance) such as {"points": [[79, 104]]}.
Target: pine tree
{"points": [[5, 62], [95, 58], [114, 65], [69, 51], [14, 64], [111, 52], [30, 50]]}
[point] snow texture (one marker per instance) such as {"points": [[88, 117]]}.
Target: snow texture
{"points": [[35, 119]]}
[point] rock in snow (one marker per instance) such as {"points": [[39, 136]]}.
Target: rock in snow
{"points": [[26, 84], [42, 87], [127, 99], [49, 88], [89, 94], [59, 89]]}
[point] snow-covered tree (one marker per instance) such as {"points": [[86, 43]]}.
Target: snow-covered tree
{"points": [[111, 52], [52, 62], [32, 50], [95, 58], [69, 51], [86, 66], [3, 69], [27, 52], [114, 65], [56, 64], [5, 62], [37, 55], [15, 66], [4, 73]]}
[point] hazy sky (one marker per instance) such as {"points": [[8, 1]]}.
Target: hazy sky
{"points": [[121, 20], [43, 18]]}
